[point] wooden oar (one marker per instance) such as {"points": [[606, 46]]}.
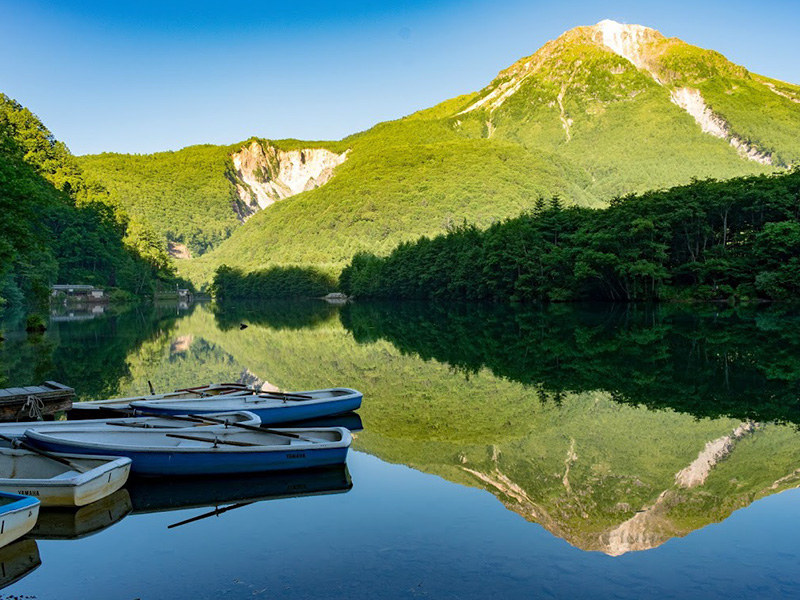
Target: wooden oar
{"points": [[213, 513], [214, 440], [141, 425], [132, 413], [250, 427], [206, 419], [22, 444], [198, 419], [284, 396]]}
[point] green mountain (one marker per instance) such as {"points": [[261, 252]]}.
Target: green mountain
{"points": [[57, 225], [601, 111]]}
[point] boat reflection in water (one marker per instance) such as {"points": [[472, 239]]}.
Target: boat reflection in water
{"points": [[73, 524], [17, 560], [351, 421], [160, 494]]}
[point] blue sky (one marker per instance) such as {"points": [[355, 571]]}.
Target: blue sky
{"points": [[143, 76]]}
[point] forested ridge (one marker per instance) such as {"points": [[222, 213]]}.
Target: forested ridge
{"points": [[187, 196], [710, 240], [59, 227]]}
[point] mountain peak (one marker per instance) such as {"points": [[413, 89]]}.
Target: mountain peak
{"points": [[623, 39]]}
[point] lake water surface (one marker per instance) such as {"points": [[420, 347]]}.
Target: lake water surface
{"points": [[567, 452]]}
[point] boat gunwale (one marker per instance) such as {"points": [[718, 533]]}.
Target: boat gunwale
{"points": [[264, 397], [112, 463], [18, 503], [344, 442]]}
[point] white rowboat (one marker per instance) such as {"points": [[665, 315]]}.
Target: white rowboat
{"points": [[55, 484]]}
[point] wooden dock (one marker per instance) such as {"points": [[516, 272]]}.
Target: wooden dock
{"points": [[30, 403]]}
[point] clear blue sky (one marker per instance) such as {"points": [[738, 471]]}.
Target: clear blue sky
{"points": [[142, 76]]}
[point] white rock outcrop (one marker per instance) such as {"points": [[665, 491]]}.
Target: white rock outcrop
{"points": [[265, 174], [692, 102], [697, 472]]}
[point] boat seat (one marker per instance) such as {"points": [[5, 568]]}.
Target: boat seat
{"points": [[67, 475]]}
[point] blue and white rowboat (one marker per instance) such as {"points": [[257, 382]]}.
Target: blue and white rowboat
{"points": [[109, 408], [206, 450], [18, 515], [271, 407]]}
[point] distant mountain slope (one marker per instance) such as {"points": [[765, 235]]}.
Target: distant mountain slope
{"points": [[196, 197], [601, 111]]}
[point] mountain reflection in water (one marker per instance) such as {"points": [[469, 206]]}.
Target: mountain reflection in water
{"points": [[615, 427]]}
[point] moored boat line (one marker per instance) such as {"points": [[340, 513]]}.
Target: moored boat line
{"points": [[206, 432], [271, 407]]}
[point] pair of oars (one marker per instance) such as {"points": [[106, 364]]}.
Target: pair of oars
{"points": [[207, 419]]}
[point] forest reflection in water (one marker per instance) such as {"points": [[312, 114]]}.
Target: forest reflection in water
{"points": [[615, 427]]}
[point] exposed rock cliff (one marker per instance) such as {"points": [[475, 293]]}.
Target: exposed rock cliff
{"points": [[265, 174]]}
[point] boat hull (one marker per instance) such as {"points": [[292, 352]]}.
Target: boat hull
{"points": [[268, 410], [221, 460]]}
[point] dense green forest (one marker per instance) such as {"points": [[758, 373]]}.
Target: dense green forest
{"points": [[275, 282], [710, 240], [59, 227]]}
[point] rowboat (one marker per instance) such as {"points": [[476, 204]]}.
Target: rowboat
{"points": [[82, 481], [104, 408], [17, 430], [271, 407], [210, 451], [17, 516]]}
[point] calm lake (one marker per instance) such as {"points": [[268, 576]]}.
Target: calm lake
{"points": [[565, 452]]}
